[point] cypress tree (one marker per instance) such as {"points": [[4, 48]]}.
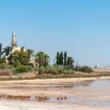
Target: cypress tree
{"points": [[58, 58], [61, 58], [0, 50], [65, 59]]}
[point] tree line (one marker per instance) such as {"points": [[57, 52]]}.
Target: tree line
{"points": [[62, 59], [26, 58]]}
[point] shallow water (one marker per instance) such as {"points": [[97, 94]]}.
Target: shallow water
{"points": [[98, 84], [101, 85]]}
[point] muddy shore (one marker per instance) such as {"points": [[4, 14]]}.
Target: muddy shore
{"points": [[16, 95]]}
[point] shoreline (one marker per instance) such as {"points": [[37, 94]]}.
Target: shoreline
{"points": [[53, 80], [38, 88]]}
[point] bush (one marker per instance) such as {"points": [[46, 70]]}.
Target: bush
{"points": [[55, 65], [71, 71], [2, 60], [86, 69], [68, 71], [16, 64], [30, 68], [60, 70], [41, 69], [51, 69], [77, 68], [22, 69], [4, 66]]}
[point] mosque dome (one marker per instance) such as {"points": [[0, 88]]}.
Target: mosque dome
{"points": [[17, 49]]}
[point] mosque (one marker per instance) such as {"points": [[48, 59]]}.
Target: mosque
{"points": [[15, 48], [14, 44]]}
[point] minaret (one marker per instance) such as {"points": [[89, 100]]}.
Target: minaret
{"points": [[14, 45]]}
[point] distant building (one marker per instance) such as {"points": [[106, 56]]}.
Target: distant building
{"points": [[99, 66], [15, 48], [14, 44]]}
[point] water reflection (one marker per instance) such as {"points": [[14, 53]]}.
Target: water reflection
{"points": [[71, 85], [42, 99], [31, 98], [69, 99], [61, 98]]}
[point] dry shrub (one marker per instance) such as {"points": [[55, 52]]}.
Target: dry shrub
{"points": [[5, 73]]}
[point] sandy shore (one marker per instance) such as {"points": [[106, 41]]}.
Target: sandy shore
{"points": [[52, 81]]}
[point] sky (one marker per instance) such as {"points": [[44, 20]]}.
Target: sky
{"points": [[80, 27]]}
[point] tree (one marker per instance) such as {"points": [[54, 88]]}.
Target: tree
{"points": [[2, 60], [7, 51], [70, 62], [61, 58], [47, 59], [77, 68], [57, 58], [22, 48], [86, 69], [0, 50], [39, 57], [30, 52], [18, 58], [65, 59], [42, 59]]}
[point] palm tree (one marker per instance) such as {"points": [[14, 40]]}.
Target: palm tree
{"points": [[30, 52], [47, 59], [6, 51], [42, 58]]}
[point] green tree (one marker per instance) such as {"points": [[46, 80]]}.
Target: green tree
{"points": [[30, 52], [65, 59], [61, 58], [42, 59], [7, 51], [18, 58], [39, 57], [58, 58], [70, 62], [77, 68], [0, 50], [2, 60], [86, 69], [22, 48], [47, 59]]}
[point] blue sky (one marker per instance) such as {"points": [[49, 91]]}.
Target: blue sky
{"points": [[81, 27]]}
